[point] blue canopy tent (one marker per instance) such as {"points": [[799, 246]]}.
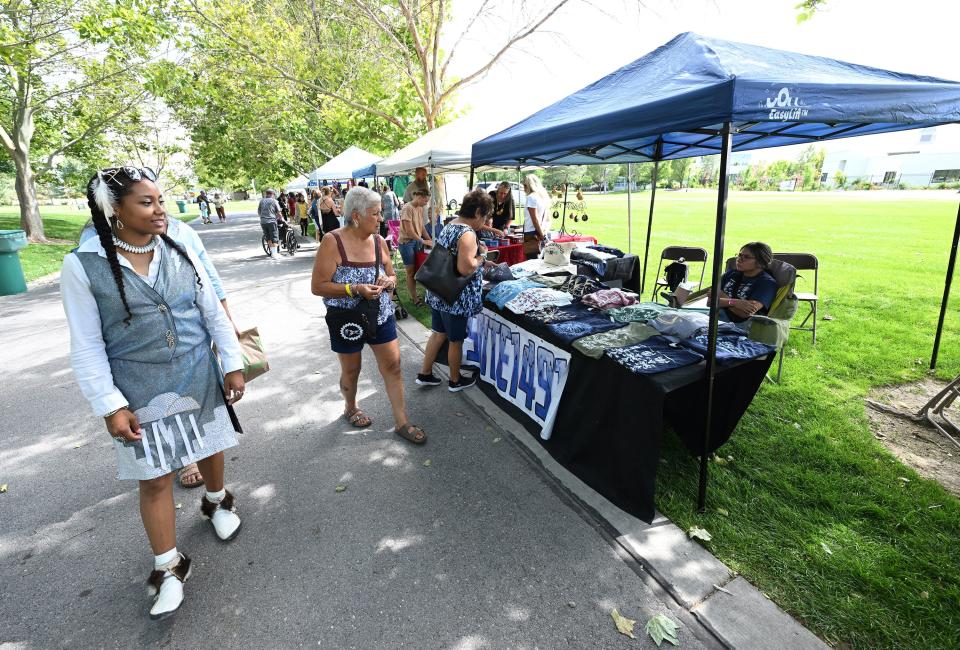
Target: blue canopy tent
{"points": [[370, 171], [697, 96]]}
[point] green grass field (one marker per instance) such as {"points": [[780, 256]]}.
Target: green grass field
{"points": [[807, 473]]}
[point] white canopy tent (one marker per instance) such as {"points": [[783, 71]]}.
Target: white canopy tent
{"points": [[445, 149], [338, 168]]}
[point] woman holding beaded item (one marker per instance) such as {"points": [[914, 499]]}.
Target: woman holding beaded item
{"points": [[141, 312]]}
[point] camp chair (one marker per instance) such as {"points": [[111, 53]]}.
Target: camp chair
{"points": [[774, 328], [805, 262], [672, 254]]}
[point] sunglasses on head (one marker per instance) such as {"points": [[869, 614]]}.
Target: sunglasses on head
{"points": [[133, 173]]}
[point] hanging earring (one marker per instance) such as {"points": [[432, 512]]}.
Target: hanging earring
{"points": [[118, 224]]}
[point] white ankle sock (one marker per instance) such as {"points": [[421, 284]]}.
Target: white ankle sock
{"points": [[166, 560], [216, 497]]}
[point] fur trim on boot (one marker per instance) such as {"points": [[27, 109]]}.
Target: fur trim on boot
{"points": [[165, 586], [223, 517]]}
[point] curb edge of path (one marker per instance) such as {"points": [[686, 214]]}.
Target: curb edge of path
{"points": [[738, 614]]}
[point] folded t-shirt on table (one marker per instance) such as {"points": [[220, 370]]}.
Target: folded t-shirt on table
{"points": [[730, 347], [579, 286], [682, 324], [609, 299], [536, 298], [506, 291], [596, 344], [654, 355], [642, 313], [586, 323]]}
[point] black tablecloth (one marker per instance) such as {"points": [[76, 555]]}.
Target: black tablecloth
{"points": [[610, 421]]}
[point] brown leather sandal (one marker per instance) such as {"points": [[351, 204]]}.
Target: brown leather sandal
{"points": [[190, 476], [357, 418], [413, 433]]}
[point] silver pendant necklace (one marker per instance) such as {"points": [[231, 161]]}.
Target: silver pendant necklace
{"points": [[130, 248]]}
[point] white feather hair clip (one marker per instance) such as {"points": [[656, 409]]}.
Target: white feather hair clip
{"points": [[103, 195]]}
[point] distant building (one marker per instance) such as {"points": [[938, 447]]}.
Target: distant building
{"points": [[920, 158]]}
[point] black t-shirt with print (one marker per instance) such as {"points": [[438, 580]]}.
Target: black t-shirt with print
{"points": [[502, 212], [761, 287]]}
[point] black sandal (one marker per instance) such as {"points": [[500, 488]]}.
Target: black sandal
{"points": [[411, 432]]}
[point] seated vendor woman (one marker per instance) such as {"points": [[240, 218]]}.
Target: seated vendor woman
{"points": [[749, 289]]}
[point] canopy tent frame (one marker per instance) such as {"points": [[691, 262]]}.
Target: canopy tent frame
{"points": [[664, 128]]}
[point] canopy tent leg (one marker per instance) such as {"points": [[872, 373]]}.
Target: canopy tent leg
{"points": [[522, 208], [630, 215], [653, 198], [714, 310], [946, 293], [470, 182]]}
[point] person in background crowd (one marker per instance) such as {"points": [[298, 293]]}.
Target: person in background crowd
{"points": [[119, 300], [302, 213], [450, 321], [328, 210], [218, 204], [284, 206], [315, 212], [748, 290], [204, 204], [390, 204], [345, 272], [536, 222], [419, 183], [363, 183], [413, 238], [292, 205], [269, 211], [502, 206]]}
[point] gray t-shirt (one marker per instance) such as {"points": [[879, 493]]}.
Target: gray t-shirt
{"points": [[268, 209], [413, 187]]}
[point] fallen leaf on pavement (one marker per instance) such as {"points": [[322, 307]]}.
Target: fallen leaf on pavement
{"points": [[427, 463], [179, 505], [340, 488], [696, 532], [719, 588], [496, 439], [662, 628], [624, 625], [3, 488]]}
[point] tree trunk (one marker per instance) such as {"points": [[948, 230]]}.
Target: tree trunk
{"points": [[26, 187]]}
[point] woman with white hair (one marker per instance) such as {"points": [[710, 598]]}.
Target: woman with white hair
{"points": [[354, 275], [536, 223]]}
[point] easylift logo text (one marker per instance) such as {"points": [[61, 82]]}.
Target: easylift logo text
{"points": [[783, 107]]}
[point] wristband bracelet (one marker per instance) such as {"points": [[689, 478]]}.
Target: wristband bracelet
{"points": [[346, 288]]}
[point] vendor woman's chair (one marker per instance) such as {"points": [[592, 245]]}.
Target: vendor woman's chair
{"points": [[805, 262]]}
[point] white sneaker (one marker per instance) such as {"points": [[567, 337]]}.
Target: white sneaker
{"points": [[223, 516], [166, 586]]}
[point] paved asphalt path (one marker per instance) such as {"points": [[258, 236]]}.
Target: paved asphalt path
{"points": [[477, 549]]}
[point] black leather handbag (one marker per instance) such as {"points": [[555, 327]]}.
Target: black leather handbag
{"points": [[438, 274], [358, 322]]}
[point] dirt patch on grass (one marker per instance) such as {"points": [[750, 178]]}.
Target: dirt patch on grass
{"points": [[917, 444]]}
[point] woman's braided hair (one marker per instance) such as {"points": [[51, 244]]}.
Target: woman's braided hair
{"points": [[111, 186]]}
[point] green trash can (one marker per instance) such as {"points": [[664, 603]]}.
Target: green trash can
{"points": [[182, 206], [11, 273]]}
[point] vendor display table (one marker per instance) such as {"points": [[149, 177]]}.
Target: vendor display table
{"points": [[609, 423]]}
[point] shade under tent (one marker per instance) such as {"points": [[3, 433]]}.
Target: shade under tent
{"points": [[697, 96]]}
